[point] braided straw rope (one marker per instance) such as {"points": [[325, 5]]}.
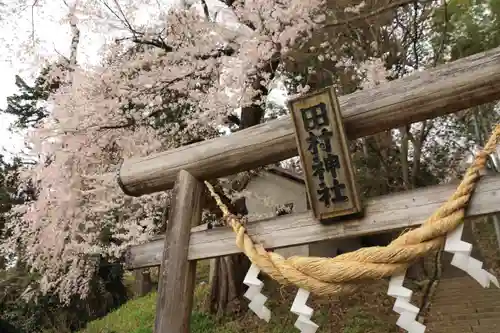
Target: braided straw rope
{"points": [[345, 273]]}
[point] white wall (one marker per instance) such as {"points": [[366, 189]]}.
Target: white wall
{"points": [[281, 191], [278, 190]]}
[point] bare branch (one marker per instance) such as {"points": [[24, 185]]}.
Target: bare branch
{"points": [[75, 39], [205, 9], [415, 35], [130, 123], [156, 42], [124, 17], [378, 11], [444, 35], [404, 155], [114, 13], [35, 2], [137, 36]]}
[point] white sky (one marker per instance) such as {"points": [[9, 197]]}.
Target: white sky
{"points": [[53, 37]]}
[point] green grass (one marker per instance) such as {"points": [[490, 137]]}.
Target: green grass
{"points": [[342, 316], [360, 321], [137, 316]]}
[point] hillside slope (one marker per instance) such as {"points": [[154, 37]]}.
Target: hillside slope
{"points": [[343, 316]]}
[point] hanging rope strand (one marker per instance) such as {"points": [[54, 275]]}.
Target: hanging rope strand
{"points": [[344, 273]]}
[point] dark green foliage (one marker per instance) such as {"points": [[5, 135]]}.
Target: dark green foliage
{"points": [[6, 327], [47, 312], [27, 105], [9, 195], [468, 26], [202, 323]]}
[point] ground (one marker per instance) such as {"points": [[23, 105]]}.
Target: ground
{"points": [[367, 312]]}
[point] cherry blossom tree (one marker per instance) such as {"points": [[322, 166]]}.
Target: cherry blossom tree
{"points": [[167, 82], [157, 88]]}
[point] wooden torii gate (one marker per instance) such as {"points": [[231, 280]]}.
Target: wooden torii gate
{"points": [[450, 88]]}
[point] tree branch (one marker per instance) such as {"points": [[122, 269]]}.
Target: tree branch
{"points": [[156, 42], [137, 36], [404, 155], [417, 153], [415, 35], [379, 11], [124, 17], [75, 39], [130, 122], [33, 21], [205, 9], [444, 35]]}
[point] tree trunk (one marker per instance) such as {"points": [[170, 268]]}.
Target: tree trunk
{"points": [[227, 285], [418, 143], [404, 156], [227, 273], [142, 280]]}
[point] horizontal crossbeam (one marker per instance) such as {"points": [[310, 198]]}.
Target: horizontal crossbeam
{"points": [[446, 89], [382, 214]]}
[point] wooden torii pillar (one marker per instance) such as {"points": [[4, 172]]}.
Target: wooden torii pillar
{"points": [[177, 273]]}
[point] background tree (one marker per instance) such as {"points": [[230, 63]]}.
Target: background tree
{"points": [[21, 304], [122, 109], [28, 104]]}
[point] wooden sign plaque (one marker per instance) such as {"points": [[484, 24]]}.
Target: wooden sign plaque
{"points": [[325, 156]]}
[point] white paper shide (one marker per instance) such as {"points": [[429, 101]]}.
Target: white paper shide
{"points": [[299, 307], [257, 299], [407, 311], [461, 259]]}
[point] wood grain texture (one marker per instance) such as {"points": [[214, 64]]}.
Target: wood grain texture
{"points": [[177, 274], [382, 214], [449, 88], [332, 152]]}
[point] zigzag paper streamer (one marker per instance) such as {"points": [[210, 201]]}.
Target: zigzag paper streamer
{"points": [[257, 299], [299, 307], [407, 311], [462, 258]]}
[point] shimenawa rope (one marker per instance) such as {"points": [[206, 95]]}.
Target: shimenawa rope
{"points": [[345, 273]]}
